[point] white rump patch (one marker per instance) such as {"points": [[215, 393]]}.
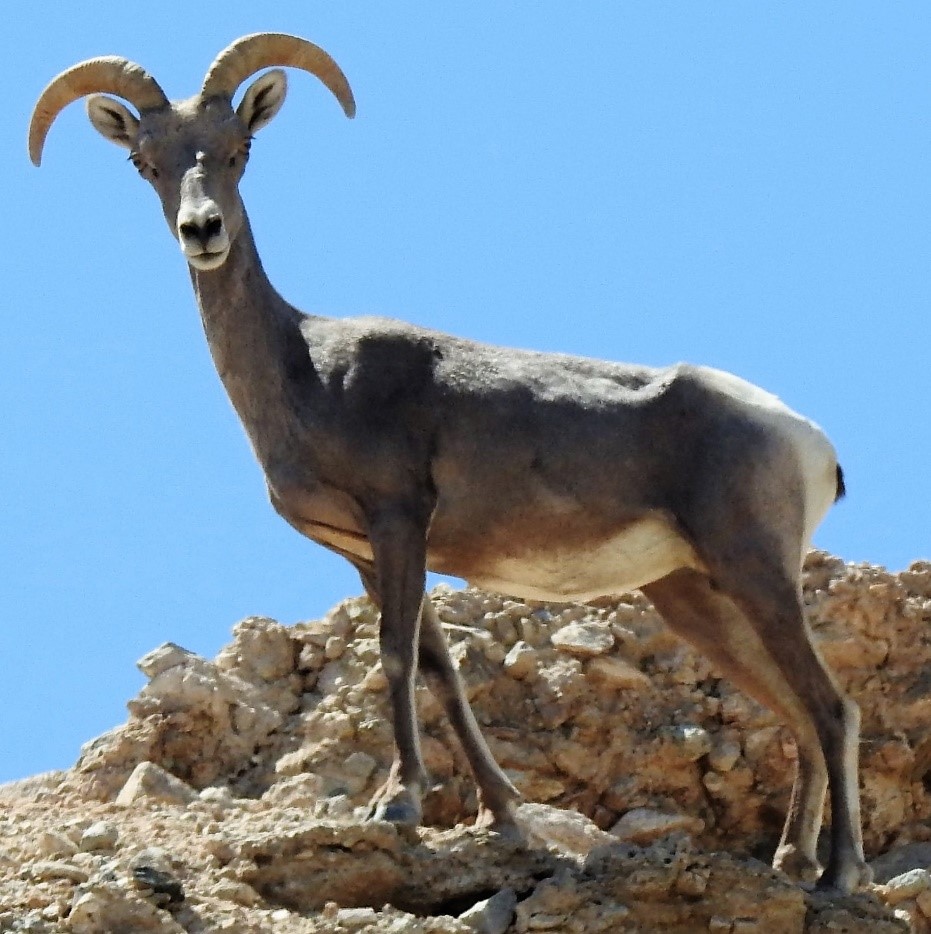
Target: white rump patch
{"points": [[817, 458], [643, 552]]}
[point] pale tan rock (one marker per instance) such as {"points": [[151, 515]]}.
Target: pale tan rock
{"points": [[106, 907], [150, 781], [584, 640], [535, 787], [692, 741], [514, 610], [724, 753], [167, 655], [573, 759], [521, 661], [262, 649], [532, 630], [375, 680], [560, 679], [190, 681], [568, 831], [644, 825], [275, 746], [917, 578], [219, 796], [53, 843], [491, 915], [234, 891], [616, 673], [906, 886], [46, 870], [923, 902], [335, 647], [312, 656], [101, 835]]}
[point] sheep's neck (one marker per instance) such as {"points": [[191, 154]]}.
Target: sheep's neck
{"points": [[251, 331]]}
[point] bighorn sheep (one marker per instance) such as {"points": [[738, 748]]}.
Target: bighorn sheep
{"points": [[542, 476]]}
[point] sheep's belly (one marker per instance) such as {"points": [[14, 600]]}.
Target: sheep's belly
{"points": [[643, 552]]}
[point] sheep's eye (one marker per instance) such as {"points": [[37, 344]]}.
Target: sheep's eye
{"points": [[142, 167], [241, 153]]}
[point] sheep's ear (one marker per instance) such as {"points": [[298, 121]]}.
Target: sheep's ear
{"points": [[263, 99], [112, 120]]}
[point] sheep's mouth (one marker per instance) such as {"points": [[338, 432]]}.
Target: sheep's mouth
{"points": [[207, 259]]}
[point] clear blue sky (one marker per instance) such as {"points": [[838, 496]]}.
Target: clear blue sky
{"points": [[743, 185]]}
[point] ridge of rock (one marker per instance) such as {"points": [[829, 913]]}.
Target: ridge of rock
{"points": [[233, 798]]}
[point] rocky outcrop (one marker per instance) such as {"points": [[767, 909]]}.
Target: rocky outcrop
{"points": [[234, 798]]}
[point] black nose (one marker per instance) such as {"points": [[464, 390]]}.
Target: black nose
{"points": [[202, 233]]}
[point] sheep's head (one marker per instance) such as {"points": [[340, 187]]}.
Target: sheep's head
{"points": [[192, 152]]}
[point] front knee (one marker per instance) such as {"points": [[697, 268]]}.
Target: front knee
{"points": [[395, 668]]}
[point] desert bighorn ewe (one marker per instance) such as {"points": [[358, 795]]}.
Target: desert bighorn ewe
{"points": [[542, 476]]}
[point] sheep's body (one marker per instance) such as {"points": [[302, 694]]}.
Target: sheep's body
{"points": [[543, 476], [548, 528]]}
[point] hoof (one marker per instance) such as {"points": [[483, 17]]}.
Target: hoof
{"points": [[796, 865], [510, 831], [401, 806], [398, 812], [845, 879], [503, 822]]}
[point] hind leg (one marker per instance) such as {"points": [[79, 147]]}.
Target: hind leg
{"points": [[715, 626], [771, 604], [760, 642]]}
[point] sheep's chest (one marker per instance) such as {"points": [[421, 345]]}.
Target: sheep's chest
{"points": [[324, 514]]}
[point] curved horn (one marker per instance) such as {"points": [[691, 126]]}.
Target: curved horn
{"points": [[110, 74], [246, 56]]}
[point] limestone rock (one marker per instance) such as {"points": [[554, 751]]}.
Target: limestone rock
{"points": [[908, 885], [107, 907], [600, 716], [53, 843], [149, 780], [644, 825], [491, 915], [101, 835], [724, 753], [693, 741], [521, 660], [167, 655], [616, 673], [567, 831], [58, 869], [584, 639]]}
